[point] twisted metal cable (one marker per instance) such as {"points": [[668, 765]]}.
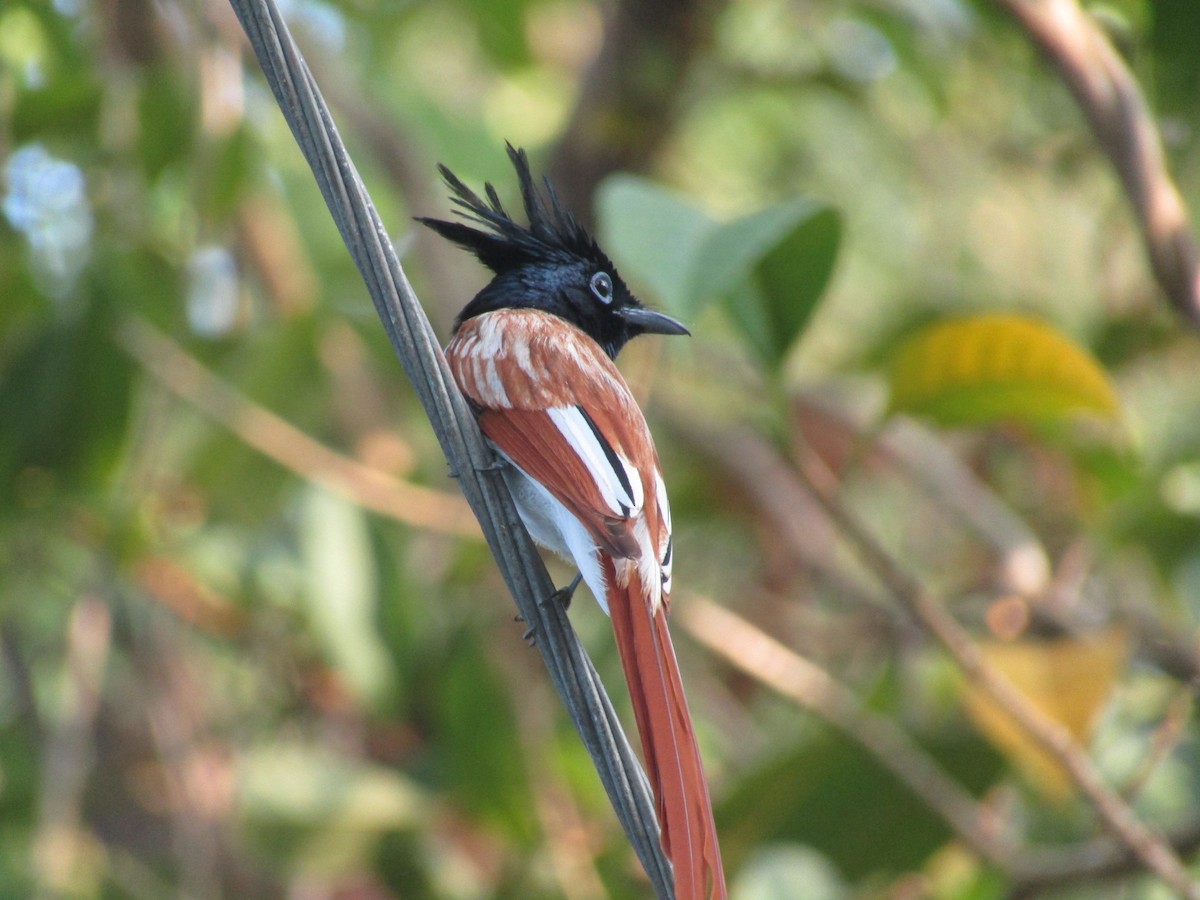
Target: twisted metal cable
{"points": [[471, 460]]}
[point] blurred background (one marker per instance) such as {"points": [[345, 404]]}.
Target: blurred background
{"points": [[251, 643]]}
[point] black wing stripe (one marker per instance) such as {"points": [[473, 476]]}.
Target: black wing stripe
{"points": [[609, 454]]}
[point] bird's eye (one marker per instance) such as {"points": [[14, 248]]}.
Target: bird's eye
{"points": [[602, 287]]}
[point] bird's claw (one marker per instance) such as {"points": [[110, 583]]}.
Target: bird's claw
{"points": [[561, 596], [530, 635]]}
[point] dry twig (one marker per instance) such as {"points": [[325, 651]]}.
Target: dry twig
{"points": [[1149, 846], [814, 479], [1118, 114], [633, 94], [272, 436], [761, 656], [1029, 869], [61, 842]]}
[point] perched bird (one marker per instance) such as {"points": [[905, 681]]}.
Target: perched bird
{"points": [[533, 353]]}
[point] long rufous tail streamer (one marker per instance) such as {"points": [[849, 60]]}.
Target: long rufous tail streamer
{"points": [[669, 746]]}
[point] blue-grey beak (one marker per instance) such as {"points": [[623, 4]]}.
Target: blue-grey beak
{"points": [[650, 321]]}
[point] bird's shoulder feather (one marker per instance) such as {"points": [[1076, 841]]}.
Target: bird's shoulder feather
{"points": [[553, 402]]}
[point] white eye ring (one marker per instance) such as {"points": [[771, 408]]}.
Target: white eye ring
{"points": [[602, 287]]}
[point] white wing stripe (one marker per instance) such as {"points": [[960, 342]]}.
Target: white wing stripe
{"points": [[664, 507], [627, 474], [574, 427], [664, 512]]}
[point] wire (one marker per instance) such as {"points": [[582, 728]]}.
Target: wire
{"points": [[572, 672]]}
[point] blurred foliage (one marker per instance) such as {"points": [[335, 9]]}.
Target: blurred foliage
{"points": [[221, 677], [1069, 679], [770, 268]]}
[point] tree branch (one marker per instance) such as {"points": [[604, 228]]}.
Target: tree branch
{"points": [[761, 656], [1119, 117], [1029, 869], [813, 478], [272, 436], [1102, 857], [630, 99], [1154, 852]]}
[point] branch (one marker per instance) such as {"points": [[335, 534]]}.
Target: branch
{"points": [[631, 98], [762, 657], [68, 748], [1119, 117], [412, 337], [1029, 868], [1154, 852], [1101, 857], [281, 441], [813, 478]]}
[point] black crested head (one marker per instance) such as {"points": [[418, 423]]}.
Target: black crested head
{"points": [[552, 264]]}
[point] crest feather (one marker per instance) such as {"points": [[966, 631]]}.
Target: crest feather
{"points": [[552, 235]]}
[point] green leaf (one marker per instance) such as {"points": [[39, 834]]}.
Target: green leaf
{"points": [[487, 777], [771, 269], [69, 109], [501, 30], [64, 401], [655, 235], [996, 367], [167, 114], [830, 794], [733, 249], [342, 594]]}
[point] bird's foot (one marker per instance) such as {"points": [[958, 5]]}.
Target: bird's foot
{"points": [[561, 596], [564, 594]]}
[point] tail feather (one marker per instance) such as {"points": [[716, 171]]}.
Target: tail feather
{"points": [[672, 756]]}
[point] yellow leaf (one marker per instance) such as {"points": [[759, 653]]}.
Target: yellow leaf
{"points": [[1069, 680], [994, 367], [951, 870]]}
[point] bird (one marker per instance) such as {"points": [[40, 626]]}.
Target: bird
{"points": [[533, 352]]}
